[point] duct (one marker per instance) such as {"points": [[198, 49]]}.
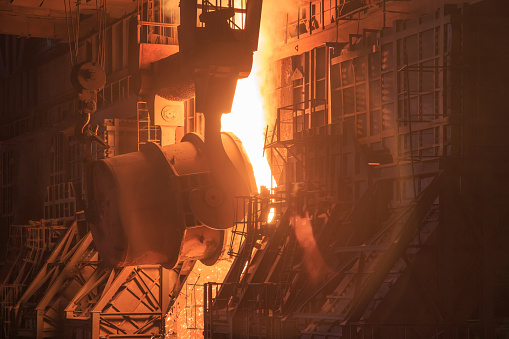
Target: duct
{"points": [[142, 210]]}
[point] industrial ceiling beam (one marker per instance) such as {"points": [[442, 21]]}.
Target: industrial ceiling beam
{"points": [[47, 19], [32, 26]]}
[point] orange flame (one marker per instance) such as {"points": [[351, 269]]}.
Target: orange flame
{"points": [[247, 122]]}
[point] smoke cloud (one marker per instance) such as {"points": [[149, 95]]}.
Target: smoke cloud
{"points": [[313, 260], [272, 20]]}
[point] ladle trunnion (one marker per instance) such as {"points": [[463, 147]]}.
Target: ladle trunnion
{"points": [[146, 204]]}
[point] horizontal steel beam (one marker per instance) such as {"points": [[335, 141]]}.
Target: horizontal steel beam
{"points": [[32, 26], [365, 248]]}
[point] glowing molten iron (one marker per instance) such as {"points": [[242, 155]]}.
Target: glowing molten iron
{"points": [[247, 122]]}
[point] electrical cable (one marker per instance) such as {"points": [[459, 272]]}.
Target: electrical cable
{"points": [[74, 28], [101, 22], [68, 33], [77, 32], [99, 37]]}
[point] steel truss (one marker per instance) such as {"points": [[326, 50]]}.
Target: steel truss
{"points": [[74, 290]]}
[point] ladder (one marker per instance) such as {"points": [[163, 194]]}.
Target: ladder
{"points": [[147, 132]]}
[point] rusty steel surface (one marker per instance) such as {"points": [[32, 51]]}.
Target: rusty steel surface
{"points": [[143, 205]]}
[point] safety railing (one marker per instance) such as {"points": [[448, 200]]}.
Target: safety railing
{"points": [[237, 21], [294, 119], [115, 92], [257, 307], [158, 22], [318, 15]]}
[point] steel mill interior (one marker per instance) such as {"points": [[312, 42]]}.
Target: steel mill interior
{"points": [[254, 169]]}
